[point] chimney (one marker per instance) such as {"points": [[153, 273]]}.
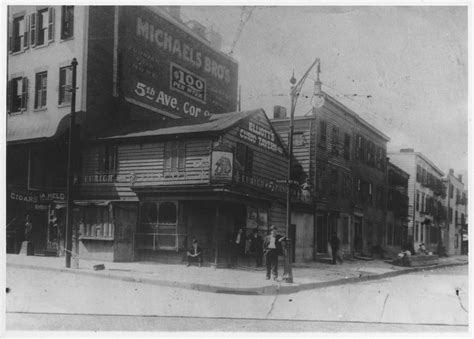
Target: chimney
{"points": [[215, 39], [279, 112], [460, 177], [198, 28], [451, 171], [175, 12], [407, 150]]}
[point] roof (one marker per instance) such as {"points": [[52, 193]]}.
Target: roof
{"points": [[346, 109], [397, 169], [357, 117], [428, 161], [139, 129], [36, 125]]}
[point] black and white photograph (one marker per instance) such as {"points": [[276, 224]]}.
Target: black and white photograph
{"points": [[236, 168]]}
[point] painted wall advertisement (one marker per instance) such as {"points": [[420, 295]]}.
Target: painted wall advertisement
{"points": [[222, 163], [167, 70]]}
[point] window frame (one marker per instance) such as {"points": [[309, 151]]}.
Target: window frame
{"points": [[174, 156], [64, 90], [67, 15], [39, 92]]}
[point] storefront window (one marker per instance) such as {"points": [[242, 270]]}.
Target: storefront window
{"points": [[149, 215], [168, 213], [97, 223], [159, 221]]}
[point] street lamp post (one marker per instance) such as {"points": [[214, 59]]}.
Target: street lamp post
{"points": [[316, 101], [70, 169]]}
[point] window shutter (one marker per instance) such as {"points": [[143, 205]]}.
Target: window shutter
{"points": [[167, 153], [9, 96], [182, 155], [33, 31], [26, 42], [24, 93], [10, 36], [51, 24]]}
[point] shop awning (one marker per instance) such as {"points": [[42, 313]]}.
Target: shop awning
{"points": [[37, 125]]}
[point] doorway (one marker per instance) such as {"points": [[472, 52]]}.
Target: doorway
{"points": [[358, 245]]}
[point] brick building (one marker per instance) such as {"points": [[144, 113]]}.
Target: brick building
{"points": [[134, 64]]}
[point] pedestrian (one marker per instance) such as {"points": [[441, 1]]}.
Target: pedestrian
{"points": [[271, 248], [256, 247], [28, 228], [194, 253], [237, 246], [335, 249]]}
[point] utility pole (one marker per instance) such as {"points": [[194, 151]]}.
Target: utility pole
{"points": [[70, 165]]}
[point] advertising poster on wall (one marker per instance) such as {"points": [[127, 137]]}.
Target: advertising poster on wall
{"points": [[167, 69], [222, 165]]}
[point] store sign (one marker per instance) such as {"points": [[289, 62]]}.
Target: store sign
{"points": [[37, 196], [260, 136], [267, 184], [222, 165], [166, 69]]}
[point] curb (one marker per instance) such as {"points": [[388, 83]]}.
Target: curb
{"points": [[265, 290]]}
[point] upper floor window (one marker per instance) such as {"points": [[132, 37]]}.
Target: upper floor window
{"points": [[67, 22], [175, 156], [41, 89], [18, 38], [347, 146], [65, 83], [335, 141], [17, 94], [244, 158], [322, 133], [299, 139], [108, 159]]}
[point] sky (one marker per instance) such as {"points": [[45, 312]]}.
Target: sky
{"points": [[403, 69]]}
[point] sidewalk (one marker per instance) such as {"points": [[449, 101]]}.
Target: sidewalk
{"points": [[249, 281]]}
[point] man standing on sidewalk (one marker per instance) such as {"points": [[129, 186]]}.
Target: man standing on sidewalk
{"points": [[271, 248], [256, 246]]}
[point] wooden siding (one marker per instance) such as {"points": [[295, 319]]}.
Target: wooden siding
{"points": [[146, 162], [266, 164]]}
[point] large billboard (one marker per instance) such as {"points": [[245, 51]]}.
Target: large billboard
{"points": [[166, 69]]}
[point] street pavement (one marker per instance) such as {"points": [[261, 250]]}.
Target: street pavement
{"points": [[243, 280], [422, 301]]}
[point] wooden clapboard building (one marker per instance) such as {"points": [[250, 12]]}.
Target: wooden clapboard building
{"points": [[344, 158], [147, 189]]}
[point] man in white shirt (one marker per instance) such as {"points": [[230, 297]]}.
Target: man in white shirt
{"points": [[271, 248]]}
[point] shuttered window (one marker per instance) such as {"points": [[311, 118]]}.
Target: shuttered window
{"points": [[18, 34], [67, 22], [65, 82], [41, 89], [44, 26], [17, 94], [347, 146], [108, 159], [322, 133], [244, 157], [175, 156]]}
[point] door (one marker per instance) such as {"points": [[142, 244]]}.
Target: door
{"points": [[39, 231], [358, 235], [322, 234]]}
